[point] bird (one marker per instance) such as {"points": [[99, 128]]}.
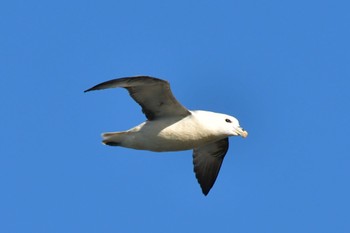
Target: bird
{"points": [[172, 127]]}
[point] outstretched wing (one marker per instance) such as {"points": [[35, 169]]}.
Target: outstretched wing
{"points": [[153, 94], [207, 161]]}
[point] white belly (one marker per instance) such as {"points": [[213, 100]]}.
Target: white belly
{"points": [[169, 135]]}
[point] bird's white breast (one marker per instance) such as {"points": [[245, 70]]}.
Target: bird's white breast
{"points": [[170, 134]]}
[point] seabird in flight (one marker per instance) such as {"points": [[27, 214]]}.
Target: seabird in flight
{"points": [[172, 127]]}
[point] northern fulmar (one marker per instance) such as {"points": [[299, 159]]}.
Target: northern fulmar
{"points": [[172, 127]]}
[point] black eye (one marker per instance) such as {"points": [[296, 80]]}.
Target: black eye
{"points": [[228, 120]]}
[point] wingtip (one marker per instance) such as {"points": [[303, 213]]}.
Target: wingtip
{"points": [[90, 89], [205, 190]]}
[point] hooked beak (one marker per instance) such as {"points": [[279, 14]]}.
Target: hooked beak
{"points": [[240, 131]]}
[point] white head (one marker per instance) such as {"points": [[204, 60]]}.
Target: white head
{"points": [[221, 123], [233, 127]]}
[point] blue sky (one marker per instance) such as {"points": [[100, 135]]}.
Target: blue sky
{"points": [[280, 67]]}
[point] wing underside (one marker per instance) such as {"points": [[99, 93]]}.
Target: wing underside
{"points": [[154, 95], [207, 162]]}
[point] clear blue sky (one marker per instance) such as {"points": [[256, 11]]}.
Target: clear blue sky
{"points": [[281, 67]]}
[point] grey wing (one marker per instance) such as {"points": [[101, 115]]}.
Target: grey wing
{"points": [[207, 161], [153, 94]]}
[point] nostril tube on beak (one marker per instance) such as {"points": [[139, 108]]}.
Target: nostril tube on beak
{"points": [[244, 134]]}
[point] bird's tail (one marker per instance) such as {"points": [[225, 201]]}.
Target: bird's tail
{"points": [[113, 138]]}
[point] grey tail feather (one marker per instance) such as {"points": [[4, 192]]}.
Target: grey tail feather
{"points": [[113, 138]]}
